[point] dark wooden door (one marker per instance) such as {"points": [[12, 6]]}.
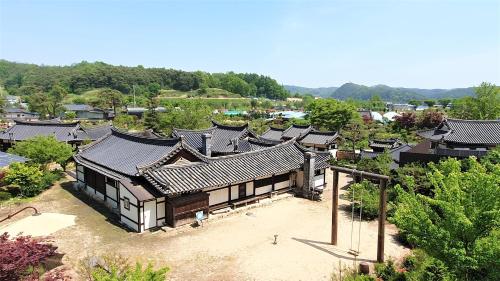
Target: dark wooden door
{"points": [[242, 190]]}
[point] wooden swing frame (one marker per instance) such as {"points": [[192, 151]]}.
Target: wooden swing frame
{"points": [[382, 210]]}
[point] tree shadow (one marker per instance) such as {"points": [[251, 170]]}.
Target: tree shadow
{"points": [[339, 254], [111, 217]]}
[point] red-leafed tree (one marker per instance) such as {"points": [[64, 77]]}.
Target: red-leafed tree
{"points": [[430, 119], [406, 120], [22, 256]]}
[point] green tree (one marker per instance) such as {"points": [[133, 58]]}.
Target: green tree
{"points": [[151, 116], [28, 178], [44, 150], [154, 89], [70, 115], [460, 225], [430, 103], [330, 114], [484, 106], [109, 98]]}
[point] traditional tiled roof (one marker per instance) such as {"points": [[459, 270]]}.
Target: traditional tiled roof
{"points": [[476, 132], [296, 131], [6, 159], [225, 170], [125, 153], [385, 143], [317, 137], [23, 130], [272, 134], [221, 136], [394, 152], [78, 107], [98, 132]]}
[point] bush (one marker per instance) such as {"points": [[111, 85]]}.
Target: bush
{"points": [[49, 178], [5, 195], [44, 150], [22, 257], [368, 194], [115, 267], [28, 178]]}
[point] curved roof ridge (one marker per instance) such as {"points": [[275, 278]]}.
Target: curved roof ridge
{"points": [[193, 130], [472, 121], [314, 131], [230, 127], [48, 123], [131, 136], [300, 126], [306, 149]]}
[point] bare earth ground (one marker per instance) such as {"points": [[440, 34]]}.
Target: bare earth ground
{"points": [[236, 247]]}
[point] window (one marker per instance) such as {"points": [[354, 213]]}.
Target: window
{"points": [[126, 203]]}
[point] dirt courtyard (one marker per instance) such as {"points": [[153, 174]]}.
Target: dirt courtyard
{"points": [[236, 247]]}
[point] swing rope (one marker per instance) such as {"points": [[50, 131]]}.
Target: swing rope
{"points": [[352, 251]]}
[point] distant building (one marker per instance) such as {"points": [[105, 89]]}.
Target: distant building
{"points": [[294, 99], [87, 112], [390, 116], [139, 111], [393, 146], [20, 114], [368, 116], [422, 107], [287, 115], [12, 100], [455, 138], [399, 107]]}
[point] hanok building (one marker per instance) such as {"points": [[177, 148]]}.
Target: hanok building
{"points": [[87, 112], [221, 139], [393, 146], [71, 133], [19, 114], [151, 182], [305, 135], [455, 138]]}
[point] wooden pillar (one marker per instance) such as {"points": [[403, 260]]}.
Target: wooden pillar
{"points": [[381, 220], [335, 206]]}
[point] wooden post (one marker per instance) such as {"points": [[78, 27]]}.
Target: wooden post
{"points": [[381, 220], [335, 206]]}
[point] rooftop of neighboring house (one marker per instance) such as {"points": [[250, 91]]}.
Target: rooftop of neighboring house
{"points": [[468, 132], [7, 158], [304, 134], [223, 137], [395, 153], [23, 130]]}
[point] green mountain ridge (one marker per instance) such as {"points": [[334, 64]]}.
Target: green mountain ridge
{"points": [[386, 93]]}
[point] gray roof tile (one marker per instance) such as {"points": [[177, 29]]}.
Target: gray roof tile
{"points": [[23, 130], [479, 132]]}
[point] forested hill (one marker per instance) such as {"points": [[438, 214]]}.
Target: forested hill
{"points": [[25, 79], [321, 92], [361, 92]]}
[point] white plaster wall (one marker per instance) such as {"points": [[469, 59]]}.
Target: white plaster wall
{"points": [[249, 188], [318, 181], [281, 185], [263, 189], [300, 179], [111, 192], [133, 212], [218, 196], [160, 210], [234, 192]]}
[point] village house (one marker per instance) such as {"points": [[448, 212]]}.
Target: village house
{"points": [[72, 133], [392, 146], [305, 135], [19, 113], [455, 138], [152, 182], [87, 112]]}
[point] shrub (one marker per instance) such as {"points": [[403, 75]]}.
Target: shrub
{"points": [[115, 267], [21, 257], [44, 150], [28, 178], [5, 195], [49, 178]]}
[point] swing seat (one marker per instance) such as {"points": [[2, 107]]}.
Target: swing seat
{"points": [[353, 252]]}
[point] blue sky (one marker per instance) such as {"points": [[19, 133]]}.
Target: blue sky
{"points": [[426, 44]]}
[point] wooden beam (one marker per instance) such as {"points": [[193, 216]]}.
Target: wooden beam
{"points": [[359, 173], [335, 206], [382, 209]]}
